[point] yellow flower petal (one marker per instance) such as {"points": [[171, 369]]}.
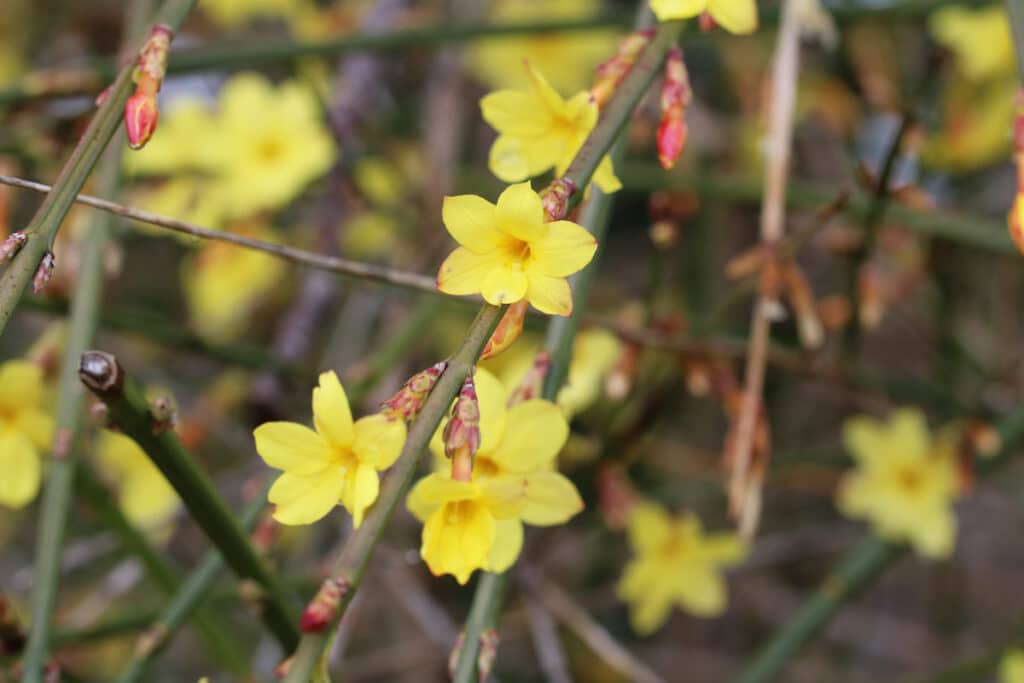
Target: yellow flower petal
{"points": [[508, 160], [503, 496], [505, 284], [418, 505], [1011, 668], [907, 433], [551, 295], [471, 221], [935, 534], [515, 114], [37, 426], [304, 500], [291, 447], [19, 463], [550, 499], [508, 543], [648, 527], [378, 440], [147, 499], [666, 10], [650, 601], [543, 92], [520, 213], [457, 539], [724, 549], [540, 433], [440, 488], [21, 386], [702, 591], [464, 271], [361, 488], [563, 250], [735, 16], [605, 178], [492, 399], [331, 413]]}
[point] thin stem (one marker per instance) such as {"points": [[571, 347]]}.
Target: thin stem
{"points": [[351, 563], [42, 229], [128, 410], [185, 600], [861, 566], [215, 632], [334, 264], [483, 616]]}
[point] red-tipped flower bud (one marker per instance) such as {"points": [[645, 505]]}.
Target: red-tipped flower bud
{"points": [[555, 198], [507, 331], [462, 433], [44, 272], [407, 402], [323, 608], [12, 245], [675, 96], [140, 117], [611, 73]]}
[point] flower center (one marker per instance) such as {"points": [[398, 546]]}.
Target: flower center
{"points": [[517, 253], [269, 149], [344, 459], [910, 479], [485, 467]]}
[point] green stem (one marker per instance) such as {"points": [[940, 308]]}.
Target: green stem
{"points": [[185, 600], [215, 632], [128, 410], [355, 554], [862, 565], [483, 617], [42, 229]]}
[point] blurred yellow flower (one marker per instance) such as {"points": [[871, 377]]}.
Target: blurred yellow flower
{"points": [[675, 564], [538, 130], [905, 483], [338, 462], [369, 235], [184, 197], [25, 430], [187, 141], [514, 482], [232, 13], [979, 38], [143, 494], [977, 120], [1011, 668], [380, 180], [568, 59], [508, 253], [735, 16], [274, 143], [224, 284]]}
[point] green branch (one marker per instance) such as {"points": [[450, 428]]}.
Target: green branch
{"points": [[128, 410]]}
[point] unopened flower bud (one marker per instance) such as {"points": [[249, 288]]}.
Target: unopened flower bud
{"points": [[12, 245], [801, 300], [140, 117], [555, 198], [407, 402], [322, 610], [456, 653], [532, 384], [44, 272], [488, 653], [152, 61], [462, 433], [611, 73], [163, 412], [507, 331], [675, 96]]}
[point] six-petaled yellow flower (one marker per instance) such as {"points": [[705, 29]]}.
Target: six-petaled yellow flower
{"points": [[336, 463], [735, 16], [479, 524], [539, 130], [25, 430], [905, 483], [675, 564], [142, 491], [508, 253]]}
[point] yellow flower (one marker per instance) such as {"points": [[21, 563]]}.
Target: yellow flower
{"points": [[273, 143], [370, 235], [338, 462], [224, 284], [568, 59], [905, 483], [979, 38], [509, 253], [675, 564], [1011, 668], [976, 117], [184, 197], [25, 430], [735, 16], [143, 493], [232, 13], [514, 482], [538, 130]]}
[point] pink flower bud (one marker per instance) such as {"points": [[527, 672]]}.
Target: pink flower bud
{"points": [[44, 272], [140, 116], [462, 433], [555, 198], [488, 653], [407, 402], [322, 610], [675, 96], [611, 73], [507, 331], [12, 245]]}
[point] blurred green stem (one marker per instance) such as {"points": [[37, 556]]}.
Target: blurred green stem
{"points": [[128, 409]]}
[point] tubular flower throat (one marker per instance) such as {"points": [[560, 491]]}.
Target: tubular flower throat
{"points": [[338, 462], [735, 16], [508, 253], [538, 130], [25, 430], [479, 524], [905, 482], [675, 564]]}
